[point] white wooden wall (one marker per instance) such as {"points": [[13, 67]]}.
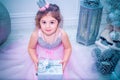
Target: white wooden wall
{"points": [[22, 13]]}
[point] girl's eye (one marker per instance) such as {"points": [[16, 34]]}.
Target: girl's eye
{"points": [[43, 22], [52, 22]]}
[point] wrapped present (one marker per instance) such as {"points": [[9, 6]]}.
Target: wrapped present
{"points": [[50, 69]]}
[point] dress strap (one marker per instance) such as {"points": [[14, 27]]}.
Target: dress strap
{"points": [[59, 35], [40, 34]]}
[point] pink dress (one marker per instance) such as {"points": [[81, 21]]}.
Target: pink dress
{"points": [[52, 51], [16, 63]]}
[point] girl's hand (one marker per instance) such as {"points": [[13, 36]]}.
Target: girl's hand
{"points": [[63, 64], [36, 65]]}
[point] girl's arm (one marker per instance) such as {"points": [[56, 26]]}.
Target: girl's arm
{"points": [[67, 48], [32, 48]]}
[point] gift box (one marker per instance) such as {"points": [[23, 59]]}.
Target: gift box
{"points": [[50, 69]]}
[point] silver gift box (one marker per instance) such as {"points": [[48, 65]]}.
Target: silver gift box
{"points": [[50, 69]]}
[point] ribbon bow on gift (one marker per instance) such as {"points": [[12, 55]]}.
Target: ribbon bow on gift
{"points": [[44, 65]]}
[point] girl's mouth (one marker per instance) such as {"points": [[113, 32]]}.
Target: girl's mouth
{"points": [[48, 30]]}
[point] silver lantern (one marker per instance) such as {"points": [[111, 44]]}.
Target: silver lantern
{"points": [[89, 21]]}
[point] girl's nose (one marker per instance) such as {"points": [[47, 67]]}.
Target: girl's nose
{"points": [[47, 25]]}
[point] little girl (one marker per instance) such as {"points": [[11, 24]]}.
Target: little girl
{"points": [[49, 40]]}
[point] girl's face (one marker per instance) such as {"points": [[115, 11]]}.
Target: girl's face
{"points": [[48, 25]]}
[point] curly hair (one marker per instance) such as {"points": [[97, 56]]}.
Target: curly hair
{"points": [[53, 9]]}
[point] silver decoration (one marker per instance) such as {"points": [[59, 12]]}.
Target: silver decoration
{"points": [[89, 23], [5, 24], [50, 70]]}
